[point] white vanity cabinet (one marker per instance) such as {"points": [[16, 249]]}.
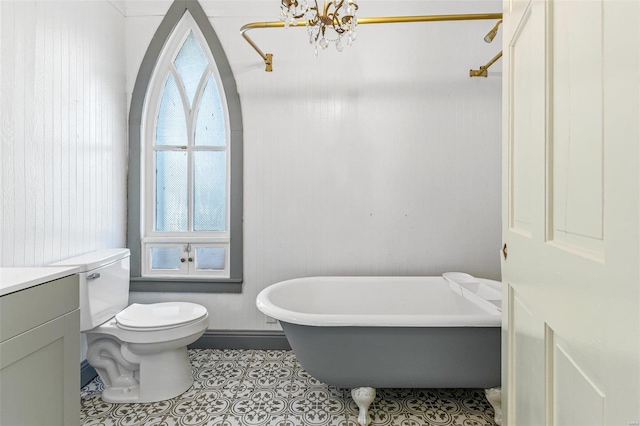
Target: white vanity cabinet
{"points": [[39, 347]]}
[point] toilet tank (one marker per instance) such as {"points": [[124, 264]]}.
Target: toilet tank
{"points": [[104, 285]]}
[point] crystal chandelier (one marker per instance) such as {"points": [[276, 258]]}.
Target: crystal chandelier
{"points": [[335, 22]]}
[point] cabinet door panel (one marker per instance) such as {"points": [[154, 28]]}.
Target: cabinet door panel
{"points": [[40, 374]]}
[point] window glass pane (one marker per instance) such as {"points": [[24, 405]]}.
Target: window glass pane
{"points": [[210, 258], [172, 204], [191, 63], [165, 257], [210, 124], [210, 191], [171, 127]]}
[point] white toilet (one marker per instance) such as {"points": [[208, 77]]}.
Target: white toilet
{"points": [[139, 351]]}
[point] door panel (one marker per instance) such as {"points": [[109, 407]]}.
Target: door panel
{"points": [[527, 82], [529, 359], [576, 139], [573, 388]]}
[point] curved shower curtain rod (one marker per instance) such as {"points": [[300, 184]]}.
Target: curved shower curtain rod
{"points": [[268, 57]]}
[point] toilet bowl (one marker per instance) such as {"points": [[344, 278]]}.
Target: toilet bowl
{"points": [[140, 361], [139, 351]]}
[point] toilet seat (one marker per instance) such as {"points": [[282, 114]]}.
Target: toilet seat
{"points": [[149, 336], [159, 316]]}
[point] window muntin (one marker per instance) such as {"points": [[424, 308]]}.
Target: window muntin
{"points": [[186, 160]]}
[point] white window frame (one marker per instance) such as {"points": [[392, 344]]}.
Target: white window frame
{"points": [[150, 237], [189, 261]]}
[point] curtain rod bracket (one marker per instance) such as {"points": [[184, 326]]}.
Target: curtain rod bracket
{"points": [[268, 61], [484, 69], [482, 72]]}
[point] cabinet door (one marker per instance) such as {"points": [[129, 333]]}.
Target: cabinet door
{"points": [[40, 375]]}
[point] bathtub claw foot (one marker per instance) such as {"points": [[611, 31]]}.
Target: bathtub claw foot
{"points": [[363, 397], [494, 396]]}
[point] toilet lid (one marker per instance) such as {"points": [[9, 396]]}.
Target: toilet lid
{"points": [[159, 315]]}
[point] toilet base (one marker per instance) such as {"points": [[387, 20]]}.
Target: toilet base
{"points": [[165, 375], [121, 395], [156, 377]]}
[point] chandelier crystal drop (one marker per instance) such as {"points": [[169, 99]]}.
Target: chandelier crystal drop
{"points": [[334, 22]]}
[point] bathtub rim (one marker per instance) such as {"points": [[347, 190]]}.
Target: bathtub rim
{"points": [[492, 317]]}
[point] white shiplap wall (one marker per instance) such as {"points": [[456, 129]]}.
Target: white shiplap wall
{"points": [[63, 118], [381, 160]]}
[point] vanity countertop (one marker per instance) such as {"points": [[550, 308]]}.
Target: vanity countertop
{"points": [[16, 279]]}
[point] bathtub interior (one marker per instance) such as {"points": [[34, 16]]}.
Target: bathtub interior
{"points": [[382, 301]]}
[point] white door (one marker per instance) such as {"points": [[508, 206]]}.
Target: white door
{"points": [[571, 190]]}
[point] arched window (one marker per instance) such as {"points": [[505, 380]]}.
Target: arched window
{"points": [[188, 177]]}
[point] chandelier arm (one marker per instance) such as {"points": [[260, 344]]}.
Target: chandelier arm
{"points": [[325, 9], [363, 21]]}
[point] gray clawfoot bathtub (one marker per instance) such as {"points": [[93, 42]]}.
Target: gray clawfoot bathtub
{"points": [[391, 332]]}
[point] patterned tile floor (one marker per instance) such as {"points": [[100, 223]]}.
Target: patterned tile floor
{"points": [[256, 388]]}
